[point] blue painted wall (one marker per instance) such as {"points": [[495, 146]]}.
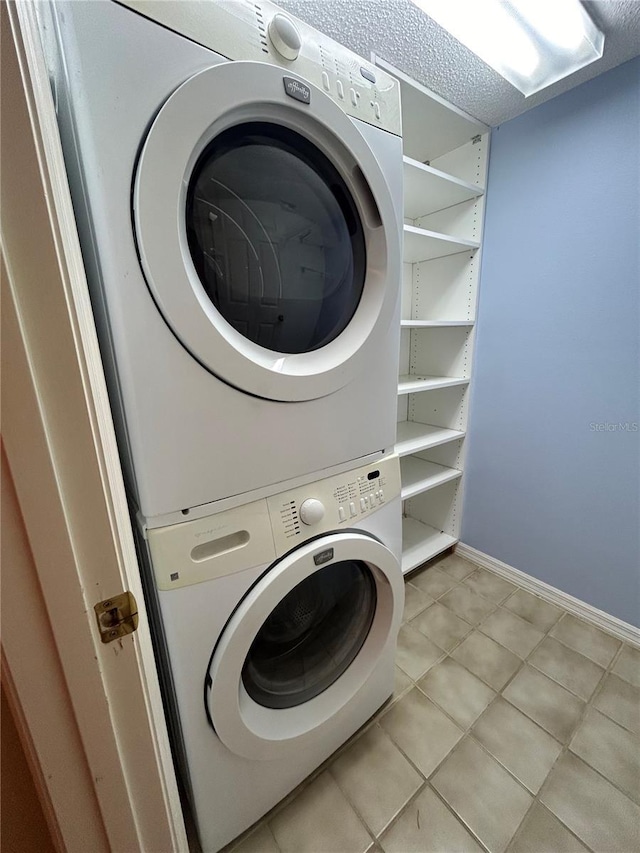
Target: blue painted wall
{"points": [[549, 490]]}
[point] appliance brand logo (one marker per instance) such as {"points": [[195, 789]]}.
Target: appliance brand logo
{"points": [[296, 89], [323, 556]]}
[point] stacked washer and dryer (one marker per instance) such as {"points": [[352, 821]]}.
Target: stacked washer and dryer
{"points": [[237, 182]]}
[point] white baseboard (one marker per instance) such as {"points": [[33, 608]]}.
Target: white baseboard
{"points": [[622, 630]]}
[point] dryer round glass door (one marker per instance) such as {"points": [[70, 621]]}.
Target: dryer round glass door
{"points": [[267, 232], [275, 237], [302, 643]]}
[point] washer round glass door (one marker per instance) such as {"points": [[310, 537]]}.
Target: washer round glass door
{"points": [[302, 643], [310, 638], [267, 233]]}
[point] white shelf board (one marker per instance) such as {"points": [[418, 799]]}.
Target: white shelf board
{"points": [[423, 245], [419, 476], [427, 189], [434, 324], [413, 437], [421, 542], [430, 125], [410, 384]]}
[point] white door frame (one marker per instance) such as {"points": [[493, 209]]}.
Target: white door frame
{"points": [[90, 714]]}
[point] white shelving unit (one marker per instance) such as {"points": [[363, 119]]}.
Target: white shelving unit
{"points": [[445, 166], [420, 244], [410, 383], [430, 324], [421, 542], [427, 190], [419, 476], [414, 437]]}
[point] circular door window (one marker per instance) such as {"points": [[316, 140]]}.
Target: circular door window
{"points": [[312, 636], [304, 641], [275, 237], [268, 232]]}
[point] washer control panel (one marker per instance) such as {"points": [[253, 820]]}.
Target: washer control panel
{"points": [[255, 534], [339, 501], [259, 30]]}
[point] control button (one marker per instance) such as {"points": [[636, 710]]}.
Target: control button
{"points": [[354, 97], [342, 515], [284, 36], [340, 89], [352, 509], [368, 75], [364, 504], [376, 110], [381, 496], [325, 81], [311, 511]]}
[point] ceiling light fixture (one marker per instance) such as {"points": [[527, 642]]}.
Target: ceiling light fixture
{"points": [[531, 43]]}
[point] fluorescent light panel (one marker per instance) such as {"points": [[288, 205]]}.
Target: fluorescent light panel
{"points": [[531, 43]]}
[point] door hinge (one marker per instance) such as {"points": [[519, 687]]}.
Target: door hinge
{"points": [[117, 616], [475, 139]]}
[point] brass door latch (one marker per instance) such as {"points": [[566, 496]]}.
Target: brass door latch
{"points": [[117, 616]]}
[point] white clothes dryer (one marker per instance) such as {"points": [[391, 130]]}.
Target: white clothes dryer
{"points": [[241, 227], [279, 622]]}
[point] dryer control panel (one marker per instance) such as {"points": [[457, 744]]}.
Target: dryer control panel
{"points": [[333, 503], [259, 30]]}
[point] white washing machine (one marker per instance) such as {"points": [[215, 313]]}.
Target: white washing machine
{"points": [[280, 621], [241, 227]]}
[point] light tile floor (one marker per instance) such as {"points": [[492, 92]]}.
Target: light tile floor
{"points": [[514, 727]]}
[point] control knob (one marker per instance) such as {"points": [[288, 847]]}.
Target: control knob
{"points": [[311, 511], [284, 36]]}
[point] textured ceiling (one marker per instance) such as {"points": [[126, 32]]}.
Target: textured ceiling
{"points": [[403, 35]]}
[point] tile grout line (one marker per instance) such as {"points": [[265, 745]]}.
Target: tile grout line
{"points": [[370, 832], [566, 748], [413, 797], [456, 815], [308, 780], [427, 784], [428, 777], [591, 707], [411, 761], [537, 802], [423, 784], [499, 693], [265, 821], [524, 662], [587, 704], [465, 732], [472, 627], [373, 720], [546, 634], [434, 601], [571, 648], [273, 835]]}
